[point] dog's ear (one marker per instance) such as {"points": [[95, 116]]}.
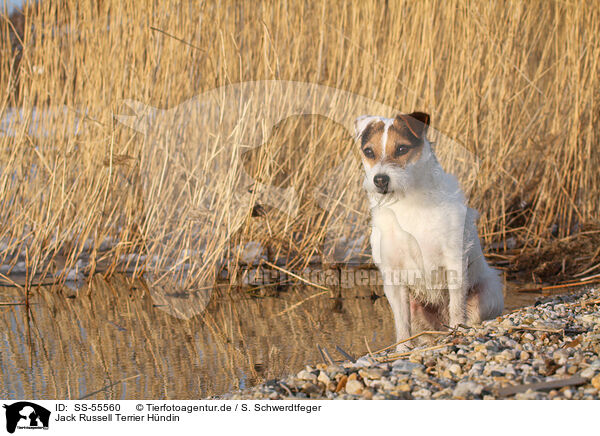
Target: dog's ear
{"points": [[417, 123], [361, 123]]}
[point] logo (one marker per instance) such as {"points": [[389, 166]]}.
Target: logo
{"points": [[192, 151], [26, 415]]}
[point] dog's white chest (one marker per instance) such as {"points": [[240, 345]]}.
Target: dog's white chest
{"points": [[409, 237]]}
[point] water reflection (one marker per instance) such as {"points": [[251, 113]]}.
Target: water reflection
{"points": [[71, 347], [113, 341]]}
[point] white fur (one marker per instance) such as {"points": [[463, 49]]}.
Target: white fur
{"points": [[420, 226]]}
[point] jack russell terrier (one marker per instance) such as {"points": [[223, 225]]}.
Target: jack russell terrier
{"points": [[424, 238]]}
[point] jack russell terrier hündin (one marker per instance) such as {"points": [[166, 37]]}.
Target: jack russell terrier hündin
{"points": [[424, 238]]}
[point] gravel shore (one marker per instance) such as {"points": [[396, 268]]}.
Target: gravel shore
{"points": [[546, 351]]}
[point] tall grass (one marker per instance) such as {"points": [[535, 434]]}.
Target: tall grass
{"points": [[515, 82]]}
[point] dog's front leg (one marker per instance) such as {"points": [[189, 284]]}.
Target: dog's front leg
{"points": [[458, 289], [398, 296], [458, 304]]}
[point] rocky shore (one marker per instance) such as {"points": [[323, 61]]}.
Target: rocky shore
{"points": [[547, 351]]}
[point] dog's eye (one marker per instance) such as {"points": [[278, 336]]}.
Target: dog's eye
{"points": [[369, 153], [400, 150]]}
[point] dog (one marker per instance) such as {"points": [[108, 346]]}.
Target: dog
{"points": [[424, 238]]}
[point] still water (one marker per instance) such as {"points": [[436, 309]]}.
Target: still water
{"points": [[111, 340]]}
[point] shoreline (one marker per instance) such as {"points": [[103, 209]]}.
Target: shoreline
{"points": [[550, 350]]}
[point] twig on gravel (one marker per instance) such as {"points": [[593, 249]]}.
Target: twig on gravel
{"points": [[392, 357], [287, 389], [581, 282], [541, 386], [368, 348], [536, 329], [584, 303], [322, 354], [345, 354], [328, 356], [589, 270], [427, 332]]}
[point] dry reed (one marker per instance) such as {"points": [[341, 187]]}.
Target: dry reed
{"points": [[517, 83]]}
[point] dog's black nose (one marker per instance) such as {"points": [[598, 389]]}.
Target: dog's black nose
{"points": [[381, 181]]}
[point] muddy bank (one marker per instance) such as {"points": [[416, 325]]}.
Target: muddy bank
{"points": [[546, 351]]}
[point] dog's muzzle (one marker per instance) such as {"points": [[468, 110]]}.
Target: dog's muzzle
{"points": [[381, 182]]}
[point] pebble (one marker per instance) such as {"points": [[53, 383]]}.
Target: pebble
{"points": [[354, 387], [589, 372], [365, 361], [423, 393], [596, 382], [405, 366], [324, 378], [371, 373], [311, 388], [306, 375], [465, 388]]}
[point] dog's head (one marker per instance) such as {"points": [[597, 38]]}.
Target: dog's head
{"points": [[391, 149]]}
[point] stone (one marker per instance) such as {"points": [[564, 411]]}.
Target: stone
{"points": [[455, 369], [324, 378], [365, 361], [403, 387], [341, 383], [371, 373], [588, 372], [529, 395], [354, 387], [444, 393], [505, 356], [596, 382], [595, 364], [334, 369], [310, 388], [465, 388], [405, 366], [560, 357], [306, 375], [422, 393]]}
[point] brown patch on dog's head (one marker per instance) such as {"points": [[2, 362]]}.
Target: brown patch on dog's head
{"points": [[405, 138], [399, 142], [371, 146], [416, 122]]}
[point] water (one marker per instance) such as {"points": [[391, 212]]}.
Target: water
{"points": [[9, 6], [113, 342]]}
